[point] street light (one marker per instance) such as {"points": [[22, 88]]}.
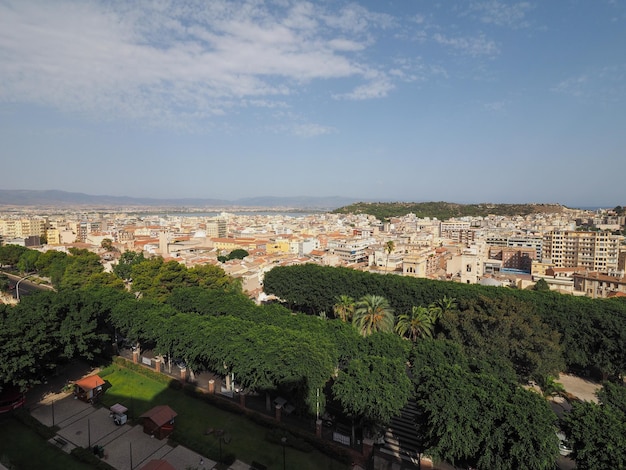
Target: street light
{"points": [[17, 286]]}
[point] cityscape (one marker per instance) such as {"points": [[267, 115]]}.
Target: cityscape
{"points": [[312, 235], [576, 251]]}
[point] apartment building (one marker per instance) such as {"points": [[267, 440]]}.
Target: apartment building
{"points": [[513, 259], [22, 228], [216, 228], [593, 251], [457, 231], [351, 251]]}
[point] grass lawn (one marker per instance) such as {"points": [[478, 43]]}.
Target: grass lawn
{"points": [[24, 449], [247, 439]]}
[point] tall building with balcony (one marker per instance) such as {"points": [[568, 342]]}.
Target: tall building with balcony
{"points": [[593, 251], [216, 228]]}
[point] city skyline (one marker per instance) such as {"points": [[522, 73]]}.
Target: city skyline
{"points": [[468, 102]]}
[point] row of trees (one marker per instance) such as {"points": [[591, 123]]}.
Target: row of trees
{"points": [[590, 333], [200, 316]]}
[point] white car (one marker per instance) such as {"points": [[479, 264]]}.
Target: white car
{"points": [[564, 448]]}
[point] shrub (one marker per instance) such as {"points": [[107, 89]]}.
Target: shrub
{"points": [[87, 456]]}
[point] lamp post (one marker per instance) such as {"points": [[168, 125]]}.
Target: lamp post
{"points": [[283, 441], [17, 286]]}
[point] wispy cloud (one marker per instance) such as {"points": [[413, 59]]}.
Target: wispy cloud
{"points": [[501, 13], [174, 59], [496, 106], [312, 130], [605, 85], [378, 87], [474, 46]]}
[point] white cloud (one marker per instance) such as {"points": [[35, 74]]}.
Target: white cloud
{"points": [[378, 87], [177, 59], [469, 45]]}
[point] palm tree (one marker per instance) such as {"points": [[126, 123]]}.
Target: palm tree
{"points": [[373, 313], [417, 324], [344, 308], [442, 306], [389, 247]]}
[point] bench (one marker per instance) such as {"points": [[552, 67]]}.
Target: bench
{"points": [[60, 441]]}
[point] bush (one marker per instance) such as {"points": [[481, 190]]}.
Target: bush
{"points": [[87, 456]]}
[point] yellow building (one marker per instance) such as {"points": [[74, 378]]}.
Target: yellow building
{"points": [[278, 246]]}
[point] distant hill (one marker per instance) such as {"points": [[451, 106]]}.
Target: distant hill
{"points": [[444, 210], [55, 198]]}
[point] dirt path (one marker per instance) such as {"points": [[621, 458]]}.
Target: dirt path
{"points": [[582, 389]]}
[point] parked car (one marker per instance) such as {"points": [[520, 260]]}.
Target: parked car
{"points": [[564, 447]]}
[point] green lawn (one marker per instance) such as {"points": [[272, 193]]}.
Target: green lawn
{"points": [[247, 439], [22, 448]]}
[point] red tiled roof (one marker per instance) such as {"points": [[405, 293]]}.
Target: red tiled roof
{"points": [[89, 383]]}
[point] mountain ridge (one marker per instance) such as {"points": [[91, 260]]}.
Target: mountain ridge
{"points": [[53, 197]]}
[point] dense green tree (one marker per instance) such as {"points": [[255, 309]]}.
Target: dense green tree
{"points": [[541, 286], [613, 395], [471, 417], [10, 254], [28, 261], [107, 244], [4, 283], [28, 342], [213, 277], [372, 313], [373, 389], [81, 265], [597, 435], [79, 333], [52, 264], [505, 327], [238, 254], [127, 260]]}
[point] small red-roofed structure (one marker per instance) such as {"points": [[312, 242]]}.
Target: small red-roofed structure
{"points": [[89, 388], [159, 421]]}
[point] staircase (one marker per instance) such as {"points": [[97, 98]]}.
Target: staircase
{"points": [[401, 439]]}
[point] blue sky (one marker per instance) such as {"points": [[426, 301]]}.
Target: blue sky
{"points": [[468, 101]]}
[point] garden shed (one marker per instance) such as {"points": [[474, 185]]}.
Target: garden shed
{"points": [[89, 388], [159, 421]]}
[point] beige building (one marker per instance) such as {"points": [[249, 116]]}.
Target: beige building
{"points": [[599, 285], [22, 228], [594, 251]]}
